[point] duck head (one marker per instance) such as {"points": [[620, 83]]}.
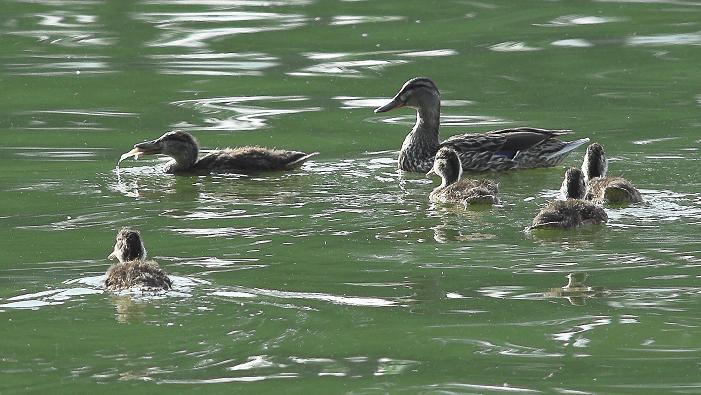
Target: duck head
{"points": [[180, 146], [128, 246], [447, 166], [573, 186], [595, 162], [419, 93]]}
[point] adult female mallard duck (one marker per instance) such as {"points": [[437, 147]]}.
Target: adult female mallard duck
{"points": [[602, 189], [572, 212], [132, 271], [518, 148], [183, 148], [454, 190]]}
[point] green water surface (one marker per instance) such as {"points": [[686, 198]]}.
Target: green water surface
{"points": [[341, 277]]}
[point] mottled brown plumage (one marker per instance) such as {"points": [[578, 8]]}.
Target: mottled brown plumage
{"points": [[507, 149], [145, 275], [183, 148], [572, 212], [132, 271], [602, 189], [453, 190]]}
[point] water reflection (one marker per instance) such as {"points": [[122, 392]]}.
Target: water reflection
{"points": [[341, 20], [573, 43], [249, 112], [665, 39], [215, 64], [513, 46], [199, 29], [574, 20], [360, 64], [58, 65], [576, 290], [64, 28]]}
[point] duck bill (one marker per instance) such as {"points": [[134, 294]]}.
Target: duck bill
{"points": [[430, 173], [112, 256], [146, 148], [395, 103]]}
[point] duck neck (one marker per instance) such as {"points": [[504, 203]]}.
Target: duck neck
{"points": [[182, 160], [422, 142], [594, 166]]}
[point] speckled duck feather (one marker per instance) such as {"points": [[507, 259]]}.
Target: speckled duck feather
{"points": [[145, 275]]}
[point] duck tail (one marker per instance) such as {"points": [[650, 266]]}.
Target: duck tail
{"points": [[299, 161], [572, 145]]}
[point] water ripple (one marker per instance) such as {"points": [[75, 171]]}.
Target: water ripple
{"points": [[185, 29], [58, 65], [215, 64], [341, 20], [247, 115], [360, 63], [575, 20]]}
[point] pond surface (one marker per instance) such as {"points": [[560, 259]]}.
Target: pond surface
{"points": [[341, 277]]}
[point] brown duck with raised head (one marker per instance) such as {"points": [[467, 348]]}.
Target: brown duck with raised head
{"points": [[132, 271], [183, 149], [518, 148]]}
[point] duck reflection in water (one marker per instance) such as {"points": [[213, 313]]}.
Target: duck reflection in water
{"points": [[183, 149], [576, 291]]}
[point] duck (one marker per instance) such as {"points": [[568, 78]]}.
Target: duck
{"points": [[183, 148], [572, 212], [455, 190], [132, 270], [602, 189], [498, 150]]}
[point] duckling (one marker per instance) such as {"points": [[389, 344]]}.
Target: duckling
{"points": [[602, 189], [132, 270], [572, 212], [454, 190], [518, 148], [183, 148]]}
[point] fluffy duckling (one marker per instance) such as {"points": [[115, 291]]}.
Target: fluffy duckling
{"points": [[572, 212], [132, 270], [602, 189], [498, 150], [183, 148], [454, 190]]}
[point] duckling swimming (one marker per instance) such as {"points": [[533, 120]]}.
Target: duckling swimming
{"points": [[132, 270], [572, 212], [518, 148], [602, 189], [454, 190], [183, 148]]}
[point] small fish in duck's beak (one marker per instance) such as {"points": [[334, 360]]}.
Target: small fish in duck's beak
{"points": [[146, 148]]}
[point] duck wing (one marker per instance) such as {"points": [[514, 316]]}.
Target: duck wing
{"points": [[504, 142], [511, 148], [251, 159]]}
